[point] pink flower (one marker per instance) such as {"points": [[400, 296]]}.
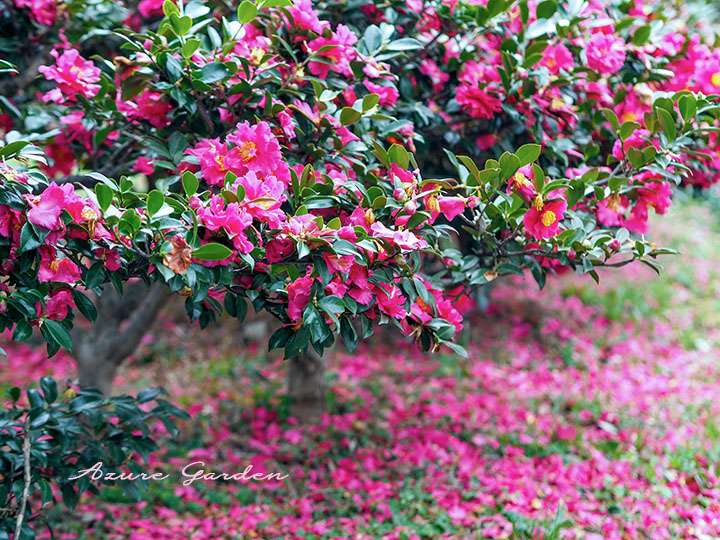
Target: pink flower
{"points": [[479, 103], [59, 304], [544, 217], [438, 77], [258, 150], [299, 296], [557, 57], [278, 249], [46, 209], [46, 212], [451, 207], [605, 53], [215, 161], [149, 105], [287, 124], [56, 269], [304, 17], [74, 76], [390, 300], [150, 8], [42, 11], [405, 240], [388, 94], [144, 165], [337, 51]]}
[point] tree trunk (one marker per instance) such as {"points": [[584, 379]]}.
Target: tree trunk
{"points": [[306, 386], [121, 323]]}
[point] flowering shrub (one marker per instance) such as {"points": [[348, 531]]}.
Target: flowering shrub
{"points": [[277, 140], [47, 437]]}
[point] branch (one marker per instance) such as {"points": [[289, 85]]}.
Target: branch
{"points": [[26, 489]]}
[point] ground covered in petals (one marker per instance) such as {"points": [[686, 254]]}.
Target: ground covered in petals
{"points": [[583, 411]]}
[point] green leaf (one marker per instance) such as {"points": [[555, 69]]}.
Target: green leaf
{"points": [[509, 163], [213, 72], [404, 44], [246, 12], [546, 9], [104, 196], [332, 304], [611, 117], [155, 201], [667, 122], [398, 154], [688, 106], [49, 389], [85, 305], [642, 35], [212, 252], [348, 116], [190, 183], [56, 333], [528, 153]]}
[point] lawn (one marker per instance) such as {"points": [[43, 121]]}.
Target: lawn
{"points": [[583, 411]]}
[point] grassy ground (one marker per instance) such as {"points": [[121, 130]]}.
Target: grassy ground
{"points": [[583, 411]]}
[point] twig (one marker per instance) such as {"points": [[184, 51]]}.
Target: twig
{"points": [[26, 489]]}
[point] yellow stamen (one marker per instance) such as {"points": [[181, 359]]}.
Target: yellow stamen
{"points": [[521, 180], [715, 79], [432, 204], [629, 117], [538, 203], [548, 218], [220, 160], [54, 265], [247, 151]]}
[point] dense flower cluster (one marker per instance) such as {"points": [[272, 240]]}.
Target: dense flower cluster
{"points": [[276, 145]]}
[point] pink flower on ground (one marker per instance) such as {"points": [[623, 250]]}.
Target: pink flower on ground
{"points": [[299, 296], [605, 53], [75, 76], [544, 217], [54, 268]]}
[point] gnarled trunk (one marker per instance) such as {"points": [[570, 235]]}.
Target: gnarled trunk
{"points": [[306, 386], [121, 323]]}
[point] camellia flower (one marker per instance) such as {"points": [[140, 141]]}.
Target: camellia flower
{"points": [[58, 305], [214, 163], [42, 11], [556, 58], [337, 51], [605, 53], [479, 103], [299, 296], [57, 269], [543, 218], [257, 150], [148, 105], [390, 300], [45, 211], [388, 94], [75, 76]]}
